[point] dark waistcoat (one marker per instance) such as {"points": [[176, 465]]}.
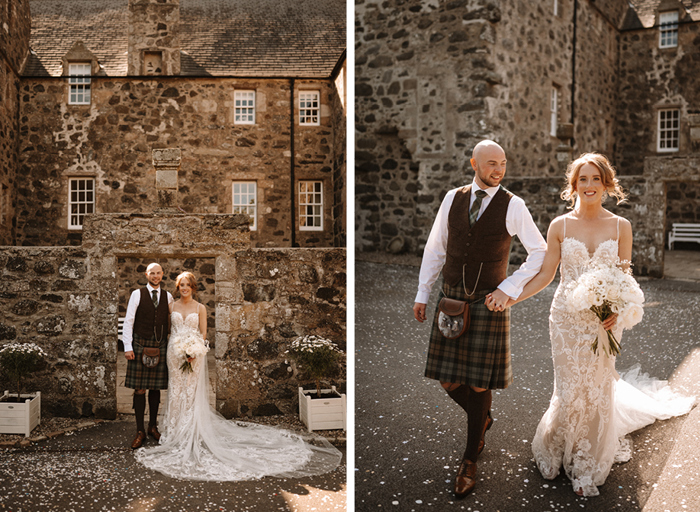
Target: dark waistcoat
{"points": [[481, 250], [148, 317]]}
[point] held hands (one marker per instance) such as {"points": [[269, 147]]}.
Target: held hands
{"points": [[419, 311], [498, 301], [610, 322]]}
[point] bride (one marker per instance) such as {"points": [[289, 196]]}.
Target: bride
{"points": [[197, 442], [592, 409]]}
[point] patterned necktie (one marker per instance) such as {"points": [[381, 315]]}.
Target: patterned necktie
{"points": [[155, 298], [474, 212]]}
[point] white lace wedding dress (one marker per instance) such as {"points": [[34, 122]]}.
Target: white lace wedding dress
{"points": [[198, 443], [592, 409]]}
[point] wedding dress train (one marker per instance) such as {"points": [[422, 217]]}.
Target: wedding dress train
{"points": [[198, 443], [592, 409]]}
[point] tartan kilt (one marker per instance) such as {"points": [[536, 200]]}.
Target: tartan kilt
{"points": [[140, 377], [481, 356]]}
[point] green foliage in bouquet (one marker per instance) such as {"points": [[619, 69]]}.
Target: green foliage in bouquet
{"points": [[317, 356], [19, 360]]}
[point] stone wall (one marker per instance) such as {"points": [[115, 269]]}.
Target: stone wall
{"points": [[14, 47], [653, 78], [66, 299], [53, 297], [274, 296], [682, 200], [435, 78], [112, 140]]}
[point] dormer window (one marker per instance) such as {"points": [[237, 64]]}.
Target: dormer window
{"points": [[79, 81], [668, 29]]}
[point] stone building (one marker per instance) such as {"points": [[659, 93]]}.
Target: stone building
{"points": [[251, 93], [207, 135], [548, 80]]}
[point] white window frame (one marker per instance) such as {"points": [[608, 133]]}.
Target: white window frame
{"points": [[556, 8], [309, 108], [310, 205], [80, 205], [79, 83], [668, 130], [245, 201], [553, 111], [244, 107], [668, 29]]}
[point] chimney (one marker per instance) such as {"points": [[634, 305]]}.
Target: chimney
{"points": [[154, 37]]}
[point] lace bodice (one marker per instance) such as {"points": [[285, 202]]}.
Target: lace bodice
{"points": [[178, 323]]}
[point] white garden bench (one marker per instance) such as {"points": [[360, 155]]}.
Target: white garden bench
{"points": [[684, 233]]}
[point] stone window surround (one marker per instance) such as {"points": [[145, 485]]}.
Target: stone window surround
{"points": [[93, 202], [668, 29], [318, 217], [241, 95], [79, 85], [247, 206], [671, 134], [309, 112]]}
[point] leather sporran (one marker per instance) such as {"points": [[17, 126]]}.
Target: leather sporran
{"points": [[453, 317], [150, 356]]}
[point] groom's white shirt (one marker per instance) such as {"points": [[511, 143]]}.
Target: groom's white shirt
{"points": [[134, 301], [518, 222]]}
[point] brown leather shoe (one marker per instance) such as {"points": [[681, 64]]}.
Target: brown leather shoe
{"points": [[466, 479], [153, 432], [487, 425], [138, 440]]}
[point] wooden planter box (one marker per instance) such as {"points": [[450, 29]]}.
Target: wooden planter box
{"points": [[322, 413], [20, 417]]}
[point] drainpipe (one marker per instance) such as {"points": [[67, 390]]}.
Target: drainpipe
{"points": [[573, 69], [291, 159]]}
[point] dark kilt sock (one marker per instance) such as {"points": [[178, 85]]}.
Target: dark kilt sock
{"points": [[153, 403], [476, 405], [140, 410]]}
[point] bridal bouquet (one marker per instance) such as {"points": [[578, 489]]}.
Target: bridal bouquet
{"points": [[192, 344], [607, 289]]}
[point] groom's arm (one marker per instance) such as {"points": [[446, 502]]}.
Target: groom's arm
{"points": [[128, 327], [519, 223]]}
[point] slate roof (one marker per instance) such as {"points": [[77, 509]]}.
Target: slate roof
{"points": [[646, 12], [265, 38]]}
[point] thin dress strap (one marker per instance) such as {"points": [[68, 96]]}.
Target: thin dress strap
{"points": [[618, 229], [564, 226]]}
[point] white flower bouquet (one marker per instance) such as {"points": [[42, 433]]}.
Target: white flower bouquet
{"points": [[317, 356], [606, 290], [192, 344]]}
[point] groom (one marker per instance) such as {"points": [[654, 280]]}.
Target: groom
{"points": [[147, 324], [470, 243]]}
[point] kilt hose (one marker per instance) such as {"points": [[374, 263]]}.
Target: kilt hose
{"points": [[140, 377], [481, 356]]}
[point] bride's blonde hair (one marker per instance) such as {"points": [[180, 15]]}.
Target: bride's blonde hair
{"points": [[189, 278], [607, 175]]}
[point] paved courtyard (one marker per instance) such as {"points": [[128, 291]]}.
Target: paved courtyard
{"points": [[409, 435]]}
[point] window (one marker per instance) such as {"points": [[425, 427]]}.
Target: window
{"points": [[668, 29], [81, 201], [245, 200], [311, 205], [309, 112], [553, 109], [79, 80], [152, 63], [669, 129], [244, 104]]}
